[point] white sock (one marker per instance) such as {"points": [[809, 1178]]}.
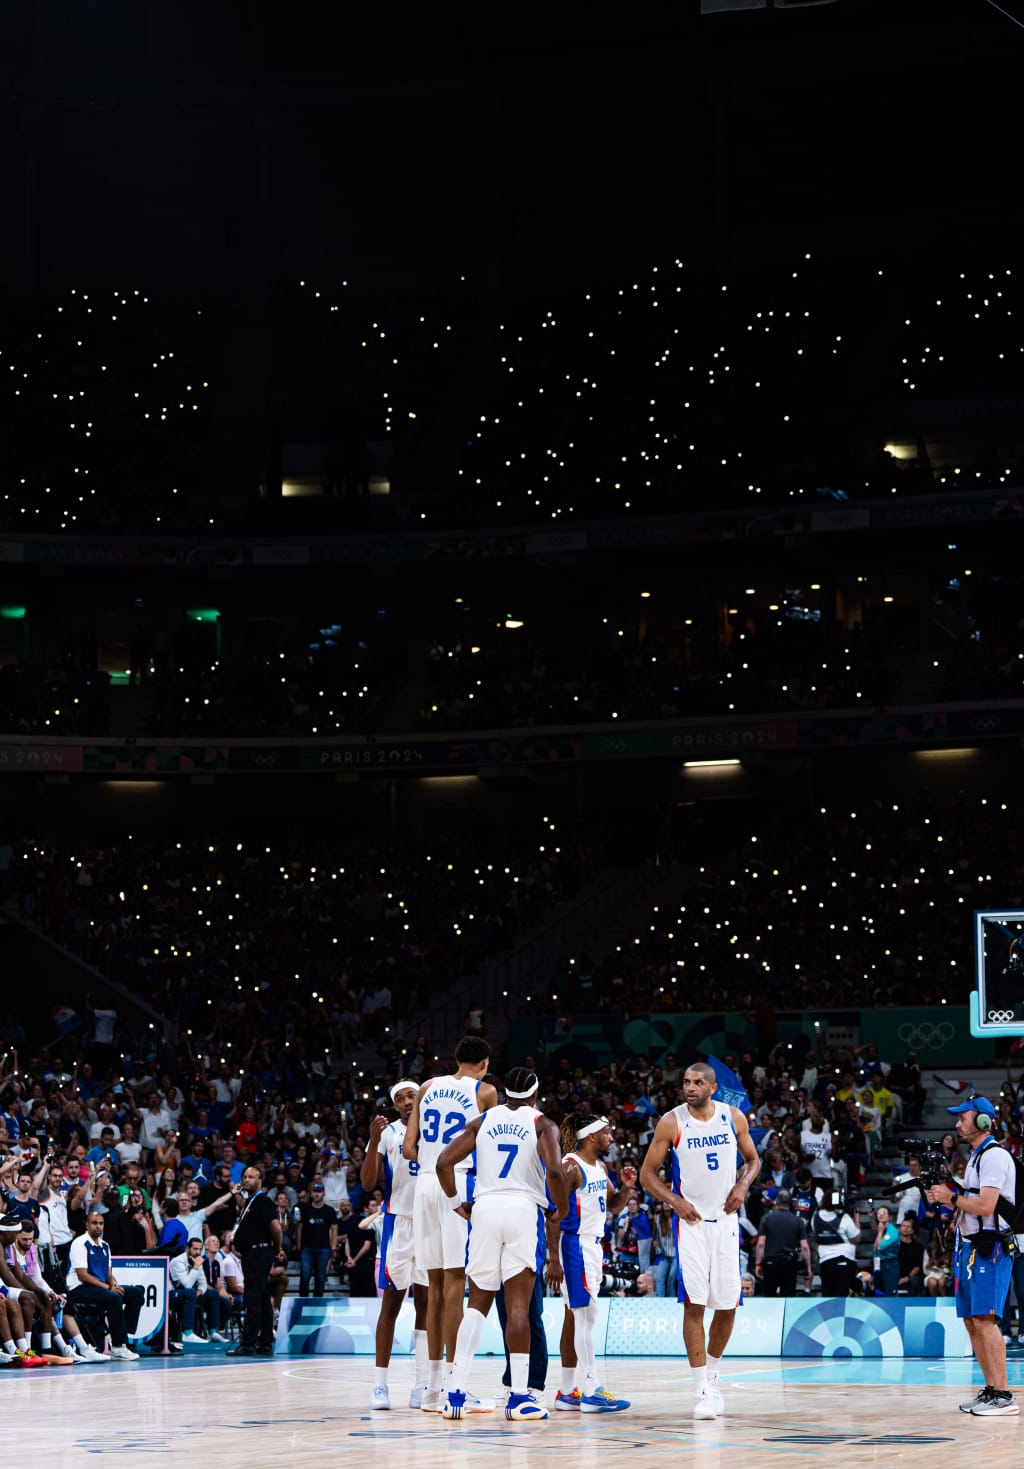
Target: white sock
{"points": [[700, 1378], [9, 1346], [519, 1370], [466, 1343], [568, 1380], [380, 1377], [61, 1345], [45, 1340], [422, 1356], [21, 1343], [713, 1365], [435, 1371]]}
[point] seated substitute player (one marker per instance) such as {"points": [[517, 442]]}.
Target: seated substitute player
{"points": [[703, 1137], [983, 1262], [519, 1179], [575, 1257], [443, 1108], [384, 1166]]}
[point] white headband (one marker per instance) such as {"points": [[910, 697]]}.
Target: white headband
{"points": [[402, 1086], [522, 1096], [597, 1126]]}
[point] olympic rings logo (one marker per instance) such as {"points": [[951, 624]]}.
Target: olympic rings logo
{"points": [[926, 1036], [1000, 1017]]}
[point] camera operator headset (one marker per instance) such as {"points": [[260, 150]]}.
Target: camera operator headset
{"points": [[984, 1249]]}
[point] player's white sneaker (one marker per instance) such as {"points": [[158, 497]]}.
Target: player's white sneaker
{"points": [[123, 1354], [432, 1400], [379, 1398], [416, 1395], [474, 1404], [704, 1405], [716, 1397]]}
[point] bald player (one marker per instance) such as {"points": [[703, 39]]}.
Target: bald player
{"points": [[701, 1139]]}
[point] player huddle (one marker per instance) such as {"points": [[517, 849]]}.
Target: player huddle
{"points": [[534, 1195]]}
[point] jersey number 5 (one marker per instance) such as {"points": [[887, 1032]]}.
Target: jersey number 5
{"points": [[712, 1162]]}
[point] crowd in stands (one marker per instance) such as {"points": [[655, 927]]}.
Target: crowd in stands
{"points": [[663, 393], [156, 1142], [605, 655], [869, 905], [327, 943], [104, 406]]}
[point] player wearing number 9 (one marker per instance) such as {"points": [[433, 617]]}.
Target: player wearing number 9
{"points": [[443, 1108]]}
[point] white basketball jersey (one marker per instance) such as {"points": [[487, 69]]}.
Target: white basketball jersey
{"points": [[446, 1107], [588, 1204], [704, 1159], [399, 1173], [507, 1160]]}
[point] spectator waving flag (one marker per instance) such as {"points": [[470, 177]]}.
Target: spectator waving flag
{"points": [[65, 1019], [954, 1086], [731, 1090]]}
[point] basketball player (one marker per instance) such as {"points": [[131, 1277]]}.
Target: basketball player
{"points": [[703, 1137], [384, 1167], [576, 1257], [519, 1179], [443, 1108]]}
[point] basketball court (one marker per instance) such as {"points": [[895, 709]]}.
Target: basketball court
{"points": [[314, 1410]]}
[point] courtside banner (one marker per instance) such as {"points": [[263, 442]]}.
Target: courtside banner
{"points": [[149, 1271], [652, 1326], [879, 1327]]}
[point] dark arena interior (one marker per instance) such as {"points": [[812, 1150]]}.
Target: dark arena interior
{"points": [[510, 542]]}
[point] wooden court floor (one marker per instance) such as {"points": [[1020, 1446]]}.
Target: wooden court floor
{"points": [[315, 1411]]}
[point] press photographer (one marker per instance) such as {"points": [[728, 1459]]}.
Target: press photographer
{"points": [[984, 1250]]}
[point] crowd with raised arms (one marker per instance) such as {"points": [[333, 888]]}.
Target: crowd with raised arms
{"points": [[171, 1150]]}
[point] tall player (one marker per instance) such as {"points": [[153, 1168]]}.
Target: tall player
{"points": [[519, 1179], [384, 1167], [703, 1137], [442, 1110], [576, 1257]]}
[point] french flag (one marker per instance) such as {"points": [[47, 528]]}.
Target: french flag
{"points": [[956, 1087]]}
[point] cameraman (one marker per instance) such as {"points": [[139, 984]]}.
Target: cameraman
{"points": [[837, 1235], [984, 1251], [780, 1245]]}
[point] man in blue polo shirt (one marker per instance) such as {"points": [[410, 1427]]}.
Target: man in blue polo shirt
{"points": [[91, 1282]]}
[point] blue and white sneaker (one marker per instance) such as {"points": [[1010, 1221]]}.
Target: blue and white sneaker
{"points": [[455, 1406], [601, 1401], [523, 1407]]}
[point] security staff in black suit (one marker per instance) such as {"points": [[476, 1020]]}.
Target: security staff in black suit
{"points": [[257, 1239]]}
